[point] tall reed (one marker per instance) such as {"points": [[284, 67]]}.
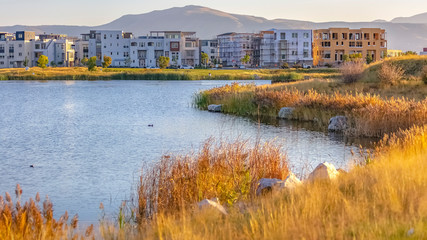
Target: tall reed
{"points": [[227, 171]]}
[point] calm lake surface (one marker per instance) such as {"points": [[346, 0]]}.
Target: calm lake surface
{"points": [[88, 140]]}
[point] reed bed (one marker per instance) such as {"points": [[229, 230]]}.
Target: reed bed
{"points": [[29, 221], [385, 199], [370, 115], [227, 171]]}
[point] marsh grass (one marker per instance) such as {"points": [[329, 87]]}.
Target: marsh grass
{"points": [[80, 73], [370, 115], [227, 171], [383, 199], [29, 221]]}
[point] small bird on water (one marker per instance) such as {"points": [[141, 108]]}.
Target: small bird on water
{"points": [[151, 125], [31, 166]]}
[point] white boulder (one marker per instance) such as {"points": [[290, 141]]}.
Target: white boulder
{"points": [[212, 203], [323, 171], [270, 184]]}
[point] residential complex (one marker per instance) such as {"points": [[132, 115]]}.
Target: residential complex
{"points": [[267, 49], [182, 48], [330, 45], [424, 52]]}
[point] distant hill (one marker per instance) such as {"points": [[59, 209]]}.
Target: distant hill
{"points": [[209, 22], [419, 18]]}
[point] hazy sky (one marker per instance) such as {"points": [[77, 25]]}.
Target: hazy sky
{"points": [[97, 12]]}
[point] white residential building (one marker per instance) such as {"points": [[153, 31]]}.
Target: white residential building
{"points": [[81, 48], [210, 47], [59, 51], [234, 46], [290, 46], [115, 44], [16, 50], [182, 48]]}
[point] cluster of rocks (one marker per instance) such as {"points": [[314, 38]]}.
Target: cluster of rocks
{"points": [[336, 124], [324, 171]]}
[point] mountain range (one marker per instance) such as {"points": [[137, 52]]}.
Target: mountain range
{"points": [[405, 33]]}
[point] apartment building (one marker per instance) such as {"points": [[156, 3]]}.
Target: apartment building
{"points": [[58, 48], [112, 43], [424, 52], [81, 48], [16, 50], [182, 48], [278, 46], [234, 46], [210, 47], [330, 45]]}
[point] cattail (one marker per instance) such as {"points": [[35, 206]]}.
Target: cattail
{"points": [[74, 221], [101, 206], [89, 231], [37, 197], [8, 198]]}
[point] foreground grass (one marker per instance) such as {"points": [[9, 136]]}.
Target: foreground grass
{"points": [[80, 73], [21, 221], [384, 199]]}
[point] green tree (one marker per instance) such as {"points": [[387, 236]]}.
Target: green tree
{"points": [[91, 64], [245, 59], [128, 61], [345, 58], [84, 61], [107, 61], [205, 58], [369, 59], [409, 53], [26, 61], [43, 61], [53, 64], [163, 62]]}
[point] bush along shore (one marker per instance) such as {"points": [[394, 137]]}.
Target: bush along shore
{"points": [[80, 73]]}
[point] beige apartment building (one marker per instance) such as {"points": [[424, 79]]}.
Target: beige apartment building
{"points": [[330, 45]]}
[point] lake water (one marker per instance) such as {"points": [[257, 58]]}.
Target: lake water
{"points": [[88, 140]]}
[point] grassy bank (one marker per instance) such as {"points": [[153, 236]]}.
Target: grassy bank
{"points": [[79, 73], [386, 199], [373, 109]]}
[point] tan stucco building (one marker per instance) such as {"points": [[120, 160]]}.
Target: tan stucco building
{"points": [[330, 45]]}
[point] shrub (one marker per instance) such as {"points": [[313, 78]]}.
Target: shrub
{"points": [[43, 61], [390, 74], [91, 64], [290, 77], [424, 75], [107, 61], [352, 71], [285, 65], [297, 66]]}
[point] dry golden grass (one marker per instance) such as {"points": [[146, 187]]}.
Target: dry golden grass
{"points": [[29, 221], [370, 115], [81, 73], [227, 171], [386, 199]]}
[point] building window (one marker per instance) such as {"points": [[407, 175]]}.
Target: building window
{"points": [[359, 44], [306, 35], [351, 44], [117, 36], [282, 35], [105, 36], [305, 53], [294, 35], [142, 44], [150, 44], [305, 44]]}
